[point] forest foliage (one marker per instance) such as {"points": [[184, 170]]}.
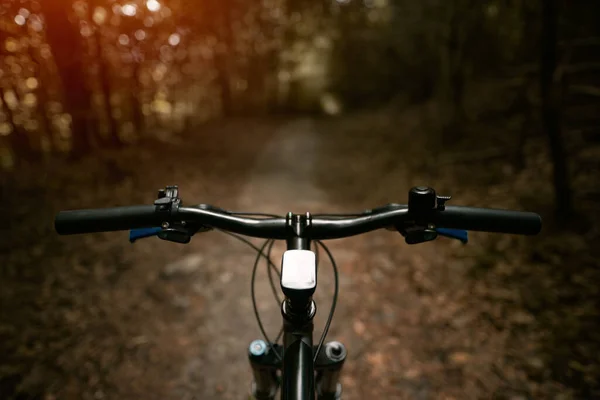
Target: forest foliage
{"points": [[85, 73]]}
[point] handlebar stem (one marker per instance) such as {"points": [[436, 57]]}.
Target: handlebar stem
{"points": [[298, 226]]}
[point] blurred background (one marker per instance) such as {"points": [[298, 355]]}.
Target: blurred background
{"points": [[296, 105]]}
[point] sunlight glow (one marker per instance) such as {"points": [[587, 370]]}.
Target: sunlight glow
{"points": [[159, 72], [124, 39], [65, 120], [10, 99], [140, 34], [20, 20], [129, 9], [36, 23], [86, 30], [31, 83], [99, 15], [162, 106], [5, 129], [11, 45], [45, 51], [24, 12], [30, 100], [166, 12], [153, 5], [174, 39], [330, 104]]}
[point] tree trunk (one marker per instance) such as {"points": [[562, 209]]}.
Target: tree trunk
{"points": [[103, 75], [65, 41], [224, 52], [113, 131], [42, 101], [292, 99], [551, 118], [136, 103], [453, 74]]}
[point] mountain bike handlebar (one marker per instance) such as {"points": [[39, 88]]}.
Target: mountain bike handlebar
{"points": [[167, 211], [422, 219]]}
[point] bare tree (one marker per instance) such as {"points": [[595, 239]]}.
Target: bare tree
{"points": [[551, 116], [219, 26], [103, 76], [42, 96], [66, 44]]}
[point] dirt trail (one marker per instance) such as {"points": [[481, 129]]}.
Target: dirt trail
{"points": [[280, 179], [380, 315]]}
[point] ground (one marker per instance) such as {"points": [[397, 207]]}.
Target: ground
{"points": [[94, 317]]}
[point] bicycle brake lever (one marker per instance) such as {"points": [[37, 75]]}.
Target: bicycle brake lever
{"points": [[417, 236], [176, 235], [459, 234]]}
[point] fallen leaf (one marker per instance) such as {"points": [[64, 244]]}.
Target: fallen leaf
{"points": [[459, 358], [522, 318], [412, 373], [376, 359], [359, 327]]}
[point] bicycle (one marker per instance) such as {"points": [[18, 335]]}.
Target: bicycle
{"points": [[301, 369]]}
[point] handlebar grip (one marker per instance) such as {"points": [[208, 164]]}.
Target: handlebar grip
{"points": [[106, 219], [489, 220]]}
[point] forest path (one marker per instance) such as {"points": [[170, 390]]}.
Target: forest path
{"points": [[103, 319], [279, 179]]}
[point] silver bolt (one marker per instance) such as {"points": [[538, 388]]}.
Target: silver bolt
{"points": [[258, 347]]}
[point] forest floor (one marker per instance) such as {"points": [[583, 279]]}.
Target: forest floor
{"points": [[94, 317]]}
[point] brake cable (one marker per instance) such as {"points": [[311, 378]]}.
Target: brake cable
{"points": [[333, 303], [270, 273], [260, 252], [253, 295], [268, 263]]}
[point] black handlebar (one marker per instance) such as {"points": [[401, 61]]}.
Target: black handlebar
{"points": [[468, 218], [488, 220], [106, 219]]}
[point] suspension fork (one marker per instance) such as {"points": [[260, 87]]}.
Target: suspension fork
{"points": [[266, 367], [265, 362]]}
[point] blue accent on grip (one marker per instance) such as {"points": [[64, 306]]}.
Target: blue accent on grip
{"points": [[142, 233], [459, 234]]}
